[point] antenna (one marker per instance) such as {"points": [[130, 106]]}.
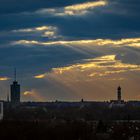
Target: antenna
{"points": [[15, 74]]}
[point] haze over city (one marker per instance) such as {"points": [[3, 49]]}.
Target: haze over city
{"points": [[69, 50]]}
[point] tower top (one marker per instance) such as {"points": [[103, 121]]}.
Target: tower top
{"points": [[119, 88], [119, 94], [15, 75]]}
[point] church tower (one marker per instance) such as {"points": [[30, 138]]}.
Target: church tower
{"points": [[119, 94]]}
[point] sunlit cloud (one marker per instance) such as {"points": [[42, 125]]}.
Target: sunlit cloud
{"points": [[44, 31], [97, 67], [131, 42], [4, 78], [40, 76], [72, 10], [86, 5], [116, 79], [90, 77], [34, 94], [26, 93], [83, 8], [50, 34], [41, 28], [101, 66]]}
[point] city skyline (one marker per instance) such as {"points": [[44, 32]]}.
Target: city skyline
{"points": [[70, 50], [15, 96]]}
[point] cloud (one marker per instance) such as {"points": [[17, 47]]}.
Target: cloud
{"points": [[94, 78], [26, 93], [4, 78], [126, 7], [44, 31], [131, 42], [83, 8], [40, 76], [73, 10], [97, 67], [32, 94], [36, 29]]}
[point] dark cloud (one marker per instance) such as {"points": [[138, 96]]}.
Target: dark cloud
{"points": [[18, 6]]}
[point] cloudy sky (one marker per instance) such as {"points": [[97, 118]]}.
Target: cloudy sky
{"points": [[70, 49]]}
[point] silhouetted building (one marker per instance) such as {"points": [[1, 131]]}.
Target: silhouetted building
{"points": [[119, 102], [119, 94], [15, 91], [82, 100]]}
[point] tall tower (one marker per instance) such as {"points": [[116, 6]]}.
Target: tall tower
{"points": [[119, 93], [15, 91]]}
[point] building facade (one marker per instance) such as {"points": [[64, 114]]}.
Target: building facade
{"points": [[15, 92]]}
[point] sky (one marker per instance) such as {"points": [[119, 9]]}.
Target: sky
{"points": [[70, 49]]}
